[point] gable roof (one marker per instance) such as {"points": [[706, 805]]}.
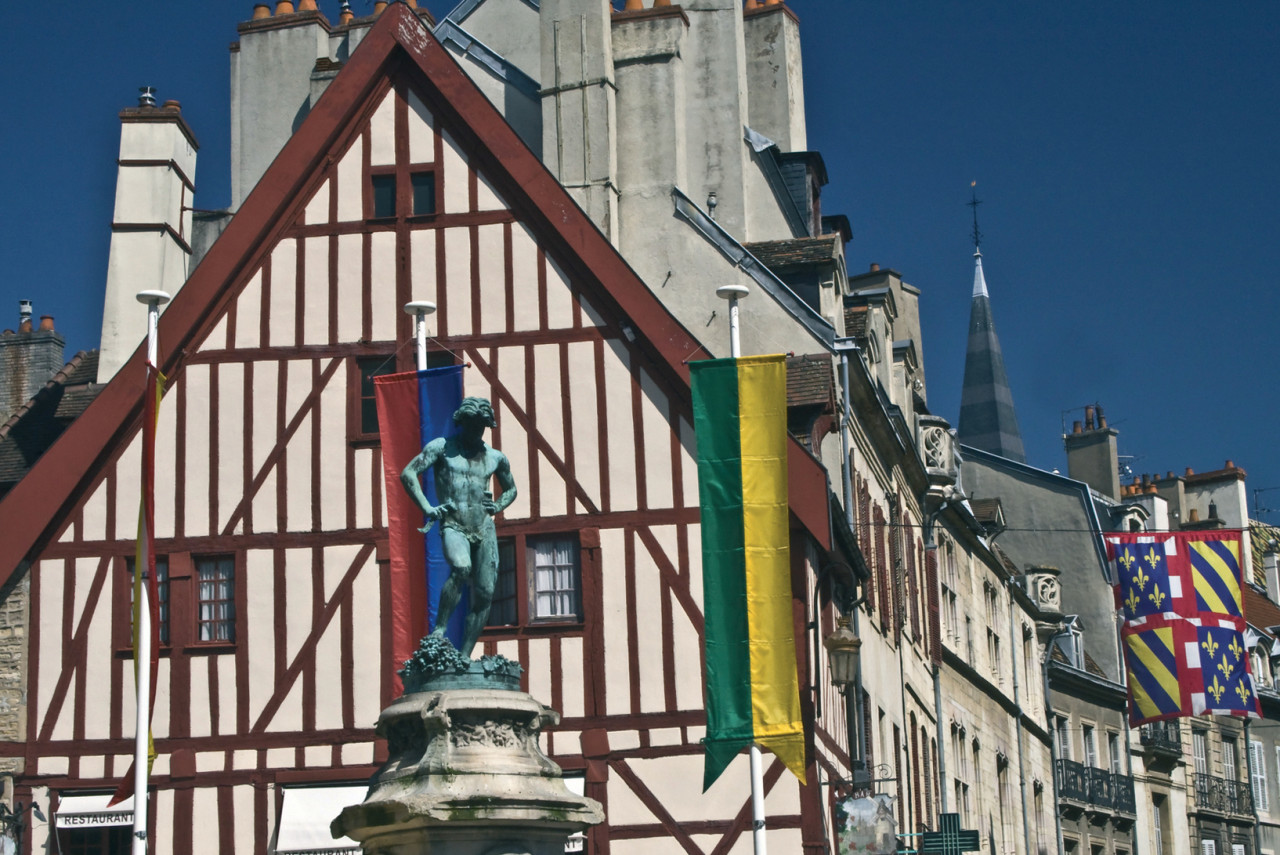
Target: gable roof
{"points": [[398, 43], [38, 423]]}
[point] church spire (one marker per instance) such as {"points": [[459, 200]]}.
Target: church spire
{"points": [[987, 417]]}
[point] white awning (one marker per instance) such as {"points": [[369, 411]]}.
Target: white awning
{"points": [[305, 817], [92, 812]]}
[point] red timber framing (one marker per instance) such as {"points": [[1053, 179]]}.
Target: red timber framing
{"points": [[266, 474]]}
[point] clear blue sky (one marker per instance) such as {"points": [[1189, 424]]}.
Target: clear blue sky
{"points": [[1126, 154]]}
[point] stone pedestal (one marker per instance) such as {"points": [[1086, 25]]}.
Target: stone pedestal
{"points": [[466, 776]]}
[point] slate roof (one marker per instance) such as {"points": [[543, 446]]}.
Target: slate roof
{"points": [[810, 381], [796, 252], [987, 417], [40, 421]]}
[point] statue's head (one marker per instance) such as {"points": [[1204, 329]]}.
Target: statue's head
{"points": [[475, 408]]}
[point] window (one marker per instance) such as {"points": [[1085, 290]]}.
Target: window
{"points": [[1238, 849], [1229, 758], [384, 195], [1157, 825], [1208, 846], [1258, 759], [1200, 750], [950, 594], [365, 418], [1064, 740], [162, 585], [1116, 754], [968, 639], [423, 185], [215, 599], [540, 579], [111, 840], [1090, 758]]}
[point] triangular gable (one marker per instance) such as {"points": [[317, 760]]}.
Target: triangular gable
{"points": [[37, 507]]}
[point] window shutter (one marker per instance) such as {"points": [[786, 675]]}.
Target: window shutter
{"points": [[1208, 847]]}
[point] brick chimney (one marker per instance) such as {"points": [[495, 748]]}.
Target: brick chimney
{"points": [[28, 358]]}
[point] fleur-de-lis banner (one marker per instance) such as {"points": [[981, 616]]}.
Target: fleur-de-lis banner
{"points": [[1183, 632]]}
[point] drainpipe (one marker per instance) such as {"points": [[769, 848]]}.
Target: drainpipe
{"points": [[931, 545], [895, 524], [1053, 739], [844, 347]]}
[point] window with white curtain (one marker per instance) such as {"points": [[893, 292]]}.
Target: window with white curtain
{"points": [[216, 598]]}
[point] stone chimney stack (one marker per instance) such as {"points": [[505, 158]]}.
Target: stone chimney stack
{"points": [[151, 226], [775, 83], [271, 87], [579, 110], [28, 358], [1092, 455]]}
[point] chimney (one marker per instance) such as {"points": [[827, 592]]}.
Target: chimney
{"points": [[1193, 516], [1093, 457], [151, 225], [579, 115], [271, 90], [27, 360], [775, 85]]}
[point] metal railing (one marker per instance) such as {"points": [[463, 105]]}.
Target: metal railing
{"points": [[1094, 786], [1223, 796], [1162, 736]]}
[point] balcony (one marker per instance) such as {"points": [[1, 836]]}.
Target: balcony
{"points": [[1095, 788], [1220, 795], [1162, 737]]}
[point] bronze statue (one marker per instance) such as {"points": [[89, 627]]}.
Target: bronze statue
{"points": [[462, 465]]}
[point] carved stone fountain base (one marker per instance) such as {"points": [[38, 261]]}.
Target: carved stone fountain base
{"points": [[466, 776]]}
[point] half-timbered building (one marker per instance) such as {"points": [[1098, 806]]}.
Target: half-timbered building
{"points": [[403, 183]]}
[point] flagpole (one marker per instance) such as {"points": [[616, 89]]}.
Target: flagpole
{"points": [[153, 300], [420, 309], [734, 293]]}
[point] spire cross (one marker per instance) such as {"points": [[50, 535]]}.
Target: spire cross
{"points": [[974, 203]]}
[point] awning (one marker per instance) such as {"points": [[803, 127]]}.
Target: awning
{"points": [[305, 817], [92, 812]]}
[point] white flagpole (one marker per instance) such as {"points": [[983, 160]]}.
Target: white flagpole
{"points": [[733, 293], [142, 656], [420, 309]]}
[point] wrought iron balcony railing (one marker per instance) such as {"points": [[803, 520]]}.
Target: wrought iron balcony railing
{"points": [[1223, 796], [1097, 787], [1162, 736]]}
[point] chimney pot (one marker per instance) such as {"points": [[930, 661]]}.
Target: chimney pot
{"points": [[874, 267], [284, 7], [753, 4], [1190, 472], [25, 326], [632, 5], [345, 15], [260, 11], [307, 6], [173, 104], [147, 98], [379, 7], [24, 310], [1151, 490], [1077, 427], [46, 323], [1088, 418], [657, 3], [1171, 476], [1146, 479], [1102, 420], [1230, 465], [1194, 515]]}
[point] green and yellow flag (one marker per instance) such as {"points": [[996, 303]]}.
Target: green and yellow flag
{"points": [[752, 687]]}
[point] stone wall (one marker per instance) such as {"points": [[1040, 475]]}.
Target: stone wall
{"points": [[14, 615]]}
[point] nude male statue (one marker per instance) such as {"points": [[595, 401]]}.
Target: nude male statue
{"points": [[462, 465]]}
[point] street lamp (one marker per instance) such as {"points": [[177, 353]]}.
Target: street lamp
{"points": [[12, 822], [843, 650]]}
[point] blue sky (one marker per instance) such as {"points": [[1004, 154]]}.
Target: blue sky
{"points": [[1126, 155]]}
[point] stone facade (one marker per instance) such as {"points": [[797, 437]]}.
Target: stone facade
{"points": [[14, 614]]}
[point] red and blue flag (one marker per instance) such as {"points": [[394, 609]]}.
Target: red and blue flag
{"points": [[415, 407]]}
